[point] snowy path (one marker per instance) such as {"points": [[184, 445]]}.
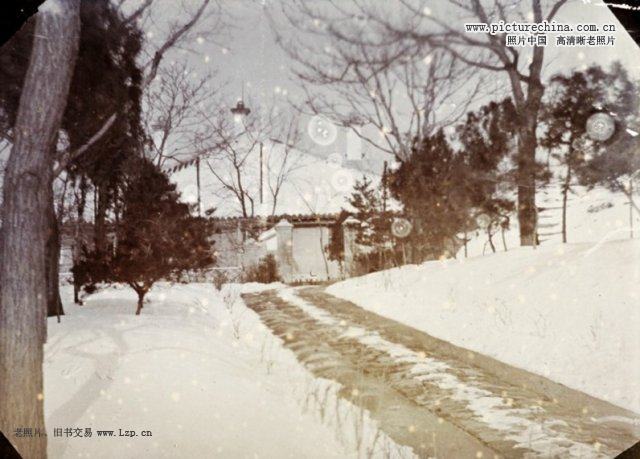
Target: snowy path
{"points": [[196, 369], [438, 399]]}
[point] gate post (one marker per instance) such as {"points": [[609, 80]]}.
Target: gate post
{"points": [[349, 232], [284, 253]]}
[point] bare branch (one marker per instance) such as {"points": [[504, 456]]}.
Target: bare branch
{"points": [[365, 75], [137, 13], [154, 65], [68, 157], [171, 42], [174, 114]]}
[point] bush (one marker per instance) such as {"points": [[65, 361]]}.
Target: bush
{"points": [[378, 260], [265, 272]]}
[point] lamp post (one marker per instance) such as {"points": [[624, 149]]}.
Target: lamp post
{"points": [[240, 112], [198, 186]]}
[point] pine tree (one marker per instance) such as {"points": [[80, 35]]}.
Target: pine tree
{"points": [[367, 202], [487, 138], [431, 187], [155, 238], [571, 100]]}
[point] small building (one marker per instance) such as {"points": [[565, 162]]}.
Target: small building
{"points": [[298, 243]]}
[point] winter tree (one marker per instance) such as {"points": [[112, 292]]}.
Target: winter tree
{"points": [[155, 237], [26, 205], [285, 156], [432, 188], [420, 27], [174, 114], [570, 101], [256, 155]]}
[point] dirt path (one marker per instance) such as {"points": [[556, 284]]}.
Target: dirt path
{"points": [[438, 399]]}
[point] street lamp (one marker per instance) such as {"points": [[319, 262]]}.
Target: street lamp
{"points": [[240, 111]]}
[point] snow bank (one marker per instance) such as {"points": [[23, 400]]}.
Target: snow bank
{"points": [[197, 369], [592, 215], [569, 312]]}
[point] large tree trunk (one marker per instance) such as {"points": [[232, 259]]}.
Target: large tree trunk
{"points": [[526, 209], [527, 144], [78, 239], [27, 196], [527, 96]]}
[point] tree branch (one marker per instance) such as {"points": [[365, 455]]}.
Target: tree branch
{"points": [[70, 156], [137, 13], [171, 41]]}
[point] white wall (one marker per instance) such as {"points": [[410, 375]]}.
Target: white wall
{"points": [[308, 256]]}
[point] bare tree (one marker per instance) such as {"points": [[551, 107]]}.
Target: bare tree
{"points": [[27, 199], [389, 92], [174, 105], [521, 66], [254, 155], [418, 27], [231, 164], [284, 156]]}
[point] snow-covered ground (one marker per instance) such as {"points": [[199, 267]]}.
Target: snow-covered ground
{"points": [[592, 216], [567, 311], [524, 425], [570, 312], [199, 371]]}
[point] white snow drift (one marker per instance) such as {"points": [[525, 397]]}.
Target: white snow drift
{"points": [[569, 312]]}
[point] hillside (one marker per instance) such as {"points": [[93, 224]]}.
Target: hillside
{"points": [[592, 216], [565, 311]]}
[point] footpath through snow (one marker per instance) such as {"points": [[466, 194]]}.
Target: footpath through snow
{"points": [[568, 312], [481, 406], [197, 369]]}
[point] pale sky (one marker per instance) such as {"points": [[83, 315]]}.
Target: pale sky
{"points": [[248, 55], [253, 56]]}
